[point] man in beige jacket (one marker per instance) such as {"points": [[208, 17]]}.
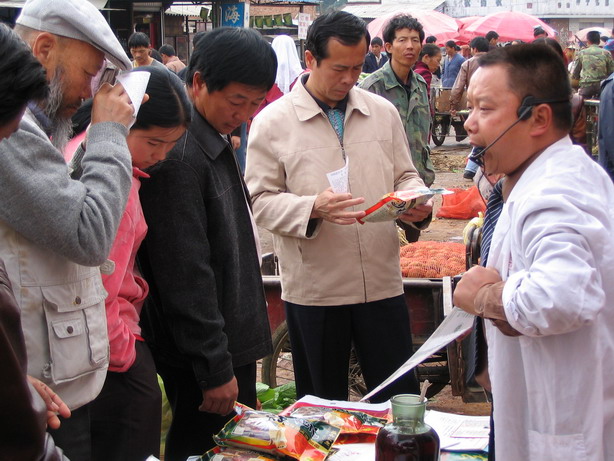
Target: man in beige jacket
{"points": [[341, 280]]}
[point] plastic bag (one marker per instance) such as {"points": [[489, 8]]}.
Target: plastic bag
{"points": [[349, 421], [232, 454], [279, 435], [462, 204]]}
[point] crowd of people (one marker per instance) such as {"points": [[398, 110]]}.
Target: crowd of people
{"points": [[133, 251]]}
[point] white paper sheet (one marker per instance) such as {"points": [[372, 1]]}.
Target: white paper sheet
{"points": [[339, 179], [459, 432], [454, 325], [135, 84]]}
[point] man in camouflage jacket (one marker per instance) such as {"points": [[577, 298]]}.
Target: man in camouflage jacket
{"points": [[593, 65], [399, 84]]}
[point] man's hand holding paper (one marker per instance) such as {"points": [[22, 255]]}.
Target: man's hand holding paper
{"points": [[418, 213], [470, 284]]}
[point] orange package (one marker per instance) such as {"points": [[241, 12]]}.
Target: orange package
{"points": [[279, 435]]}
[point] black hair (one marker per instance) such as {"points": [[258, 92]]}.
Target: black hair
{"points": [[377, 41], [138, 39], [22, 77], [593, 37], [348, 29], [552, 43], [168, 105], [451, 44], [538, 30], [233, 54], [155, 54], [536, 70], [82, 118], [431, 39], [167, 50], [402, 21], [491, 34], [480, 44], [430, 49]]}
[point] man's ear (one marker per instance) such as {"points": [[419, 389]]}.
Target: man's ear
{"points": [[310, 60], [542, 119], [198, 84], [45, 48], [388, 47]]}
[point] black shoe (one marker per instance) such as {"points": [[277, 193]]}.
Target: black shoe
{"points": [[468, 174]]}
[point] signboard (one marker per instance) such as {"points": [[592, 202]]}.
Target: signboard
{"points": [[303, 24], [235, 14]]}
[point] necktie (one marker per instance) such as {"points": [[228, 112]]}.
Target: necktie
{"points": [[493, 211], [476, 356], [335, 116]]}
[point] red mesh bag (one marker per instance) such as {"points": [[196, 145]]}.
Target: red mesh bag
{"points": [[462, 204], [432, 259]]}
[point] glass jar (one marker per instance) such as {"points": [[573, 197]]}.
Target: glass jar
{"points": [[407, 438]]}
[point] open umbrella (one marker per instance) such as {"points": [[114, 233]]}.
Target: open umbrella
{"points": [[435, 23], [510, 25], [602, 31]]}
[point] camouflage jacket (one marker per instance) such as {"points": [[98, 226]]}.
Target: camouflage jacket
{"points": [[415, 114], [593, 64]]}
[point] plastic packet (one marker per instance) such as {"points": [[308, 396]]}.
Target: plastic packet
{"points": [[278, 435], [395, 203], [349, 421], [232, 454]]}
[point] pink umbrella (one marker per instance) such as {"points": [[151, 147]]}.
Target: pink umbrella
{"points": [[602, 31], [510, 25], [463, 23], [435, 23]]}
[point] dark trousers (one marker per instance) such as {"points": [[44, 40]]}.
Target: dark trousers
{"points": [[322, 336], [74, 435], [191, 430], [126, 416]]}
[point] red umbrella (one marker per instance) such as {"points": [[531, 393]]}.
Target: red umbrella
{"points": [[510, 25], [463, 23], [435, 23]]}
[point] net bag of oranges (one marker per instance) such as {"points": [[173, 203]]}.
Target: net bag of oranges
{"points": [[432, 259]]}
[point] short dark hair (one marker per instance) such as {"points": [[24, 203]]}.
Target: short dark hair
{"points": [[535, 70], [168, 105], [339, 25], [451, 44], [167, 50], [431, 39], [593, 37], [430, 49], [377, 41], [480, 44], [138, 39], [491, 34], [22, 77], [538, 30], [552, 43], [233, 54], [402, 21]]}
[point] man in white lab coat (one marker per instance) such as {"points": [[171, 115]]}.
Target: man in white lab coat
{"points": [[548, 288]]}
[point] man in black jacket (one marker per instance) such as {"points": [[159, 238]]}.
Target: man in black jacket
{"points": [[205, 318], [375, 59]]}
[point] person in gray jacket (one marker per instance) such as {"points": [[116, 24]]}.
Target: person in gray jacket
{"points": [[55, 231]]}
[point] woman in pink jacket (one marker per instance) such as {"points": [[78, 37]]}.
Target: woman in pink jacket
{"points": [[125, 417]]}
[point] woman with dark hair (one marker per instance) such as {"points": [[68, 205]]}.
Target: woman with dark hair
{"points": [[125, 417], [22, 79]]}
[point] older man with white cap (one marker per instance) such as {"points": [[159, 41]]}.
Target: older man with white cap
{"points": [[55, 232]]}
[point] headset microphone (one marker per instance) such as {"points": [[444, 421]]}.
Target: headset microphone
{"points": [[524, 113]]}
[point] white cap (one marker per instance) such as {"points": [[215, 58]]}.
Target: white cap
{"points": [[76, 19]]}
